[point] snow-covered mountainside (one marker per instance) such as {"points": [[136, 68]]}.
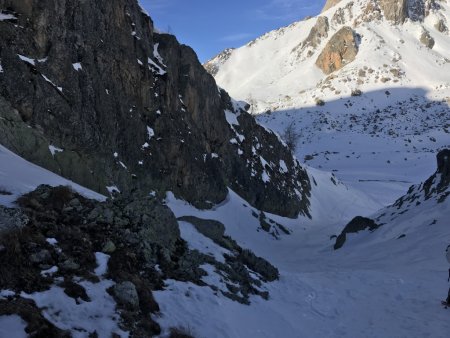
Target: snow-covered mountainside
{"points": [[385, 283], [212, 227], [366, 85], [71, 276]]}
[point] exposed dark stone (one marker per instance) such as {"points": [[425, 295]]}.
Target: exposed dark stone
{"points": [[440, 181], [126, 294], [357, 224], [42, 256], [443, 164], [75, 291], [209, 228], [259, 265], [109, 247], [11, 219]]}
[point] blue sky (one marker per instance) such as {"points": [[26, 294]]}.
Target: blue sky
{"points": [[211, 26]]}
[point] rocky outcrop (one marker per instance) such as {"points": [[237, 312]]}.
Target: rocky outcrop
{"points": [[427, 40], [356, 225], [343, 14], [132, 242], [435, 190], [395, 10], [443, 165], [441, 26], [212, 66], [114, 105], [418, 10], [339, 51], [317, 33], [329, 4], [439, 183], [11, 219]]}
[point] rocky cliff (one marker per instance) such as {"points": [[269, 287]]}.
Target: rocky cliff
{"points": [[431, 193], [90, 90]]}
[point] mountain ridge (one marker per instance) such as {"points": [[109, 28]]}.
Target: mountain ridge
{"points": [[300, 75]]}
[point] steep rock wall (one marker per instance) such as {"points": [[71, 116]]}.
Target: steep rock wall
{"points": [[128, 108]]}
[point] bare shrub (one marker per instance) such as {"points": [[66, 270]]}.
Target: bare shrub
{"points": [[291, 137]]}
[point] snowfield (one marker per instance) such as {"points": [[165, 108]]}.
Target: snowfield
{"points": [[377, 285]]}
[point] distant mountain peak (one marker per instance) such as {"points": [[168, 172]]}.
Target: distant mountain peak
{"points": [[389, 36]]}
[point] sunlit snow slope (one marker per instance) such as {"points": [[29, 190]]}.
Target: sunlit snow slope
{"points": [[381, 141]]}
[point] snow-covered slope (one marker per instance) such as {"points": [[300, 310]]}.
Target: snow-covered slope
{"points": [[18, 177], [385, 114], [380, 284], [277, 71]]}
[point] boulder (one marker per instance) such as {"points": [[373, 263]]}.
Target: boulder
{"points": [[395, 10], [441, 26], [209, 228], [42, 256], [427, 40], [339, 51], [356, 224], [11, 219], [153, 223], [109, 247], [126, 294]]}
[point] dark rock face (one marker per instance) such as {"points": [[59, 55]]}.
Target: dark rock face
{"points": [[339, 51], [207, 227], [443, 164], [11, 219], [439, 183], [357, 224], [435, 187], [131, 108]]}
